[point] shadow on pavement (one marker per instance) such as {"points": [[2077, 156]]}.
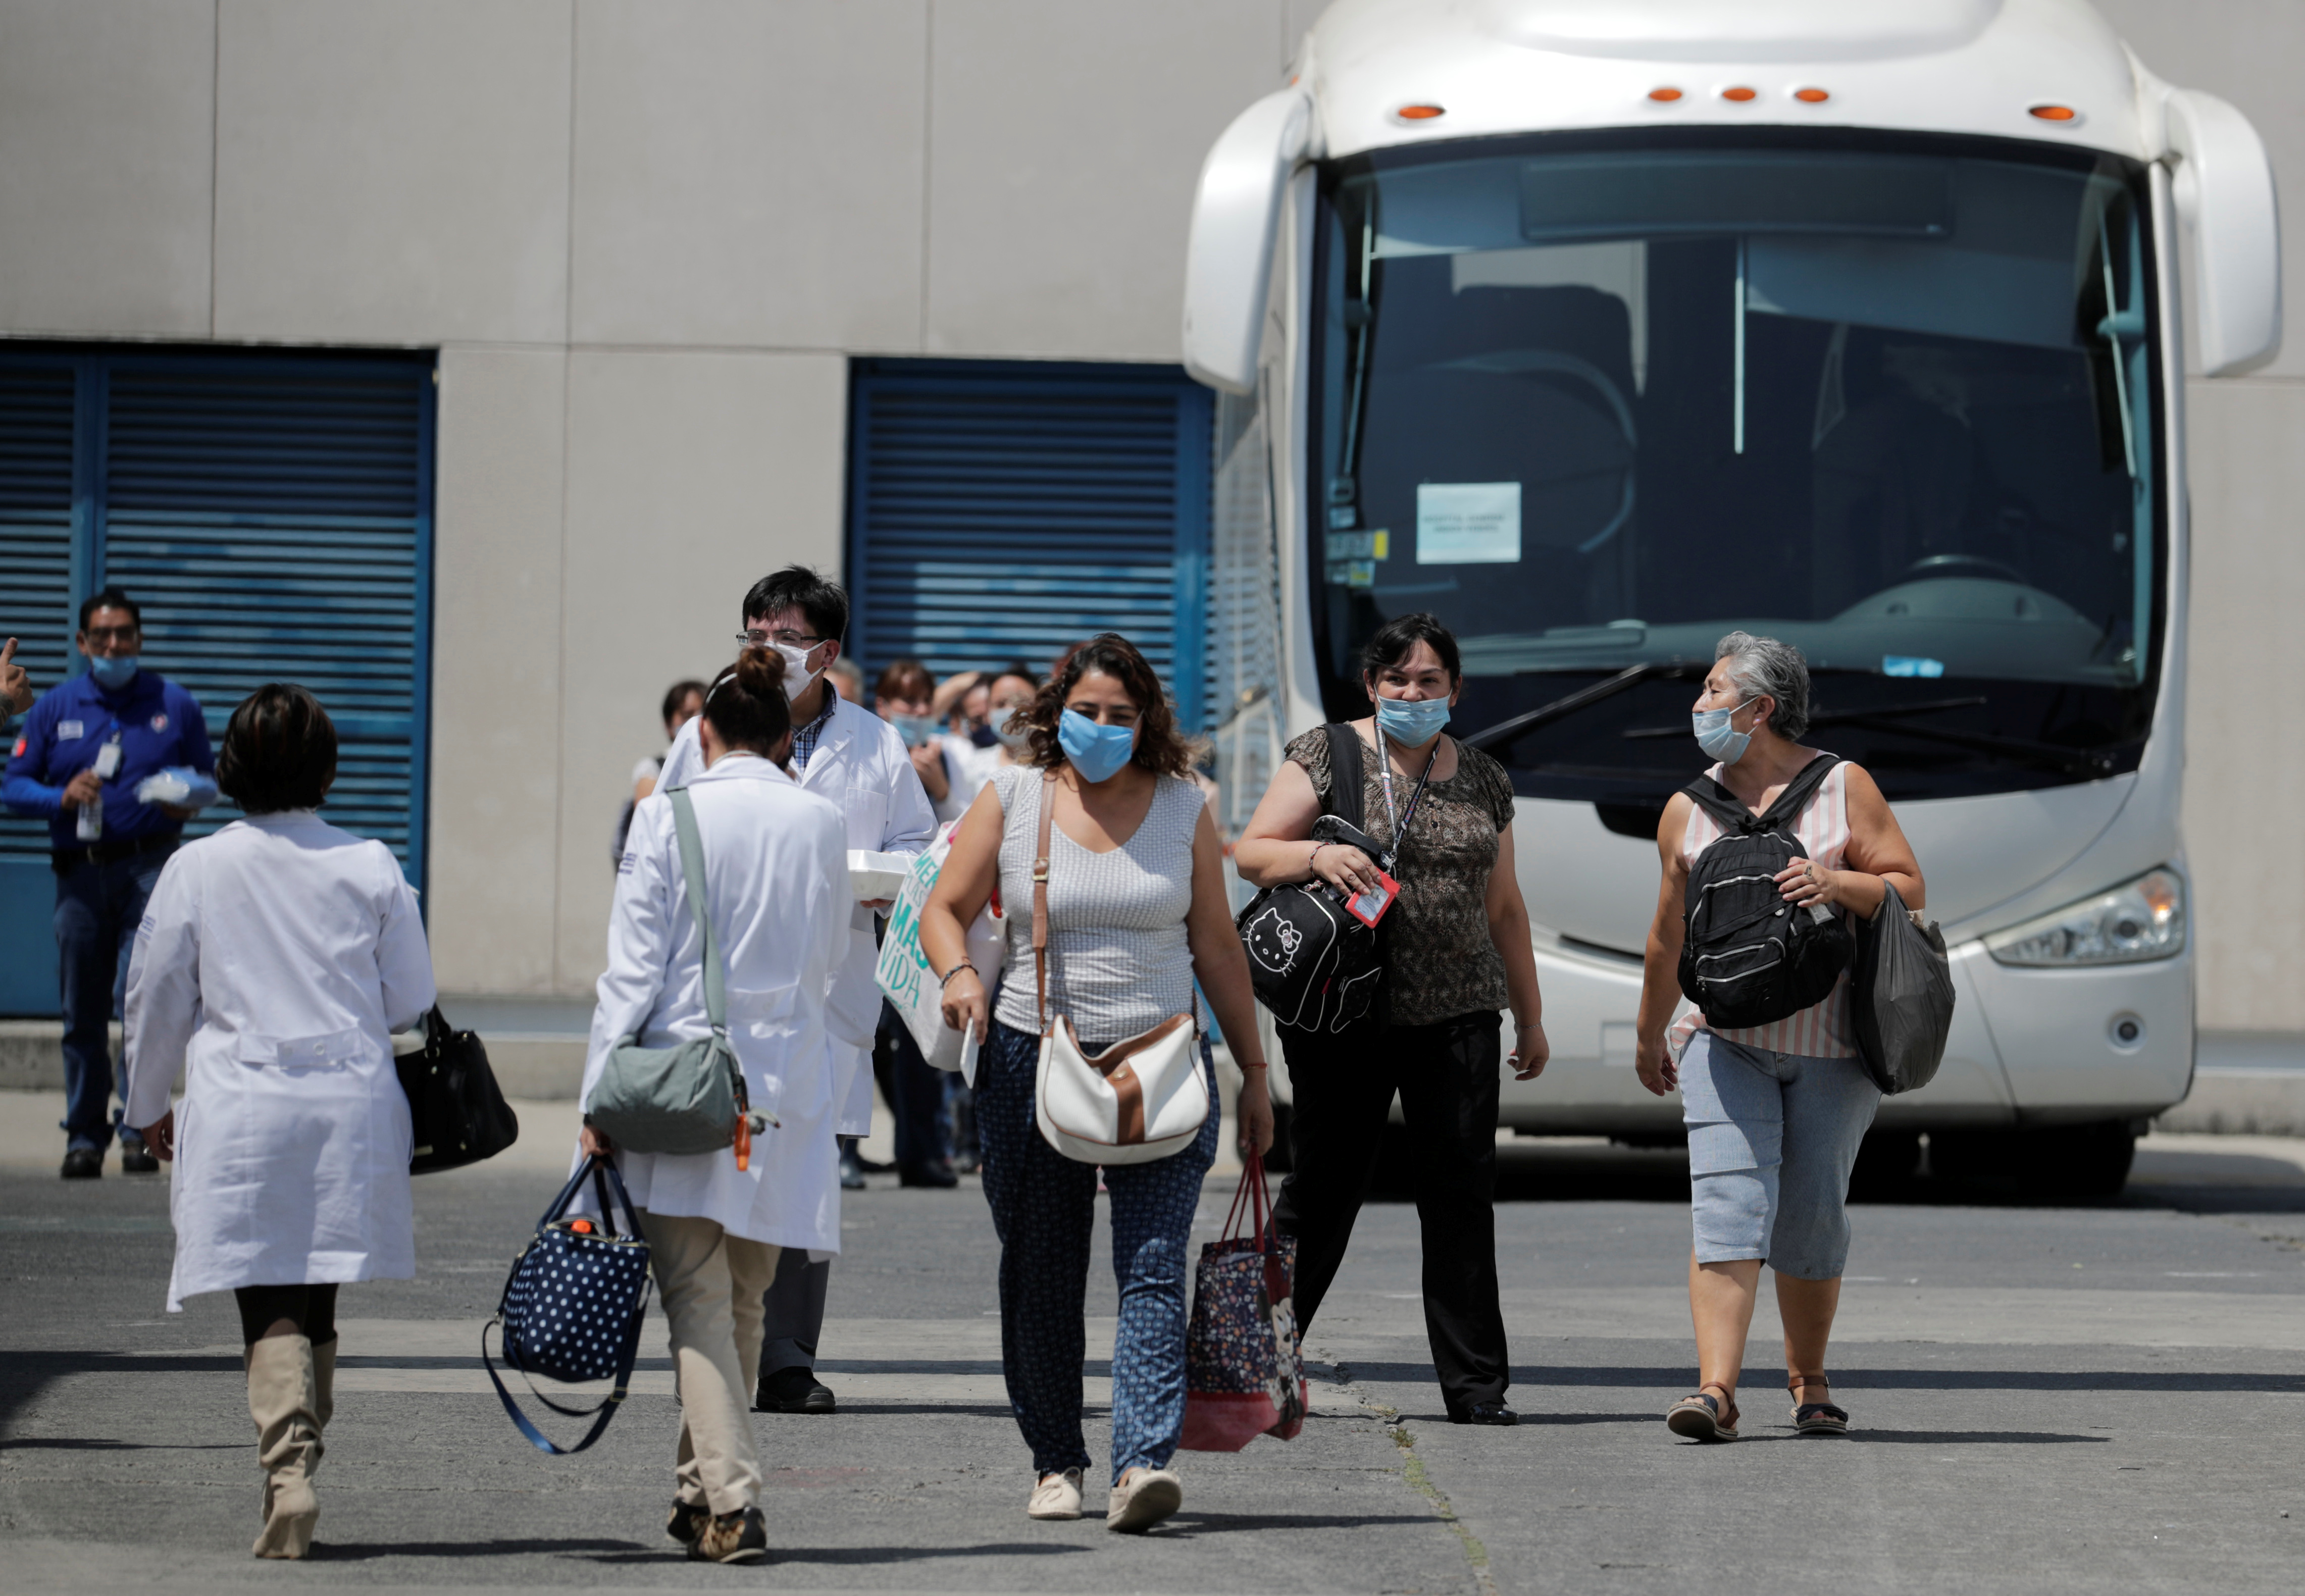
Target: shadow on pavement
{"points": [[329, 1551], [65, 1443], [1604, 1377], [1579, 1170]]}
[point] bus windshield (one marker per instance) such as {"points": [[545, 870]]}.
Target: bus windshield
{"points": [[1596, 400]]}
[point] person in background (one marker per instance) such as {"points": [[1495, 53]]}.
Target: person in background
{"points": [[682, 701], [1137, 914], [1775, 1112], [117, 760], [906, 698], [842, 751], [1456, 951], [847, 679], [916, 1093], [776, 881], [960, 703], [16, 694], [995, 745], [273, 963]]}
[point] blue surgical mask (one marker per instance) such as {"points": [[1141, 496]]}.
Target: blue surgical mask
{"points": [[1096, 752], [918, 731], [1411, 722], [1717, 737], [113, 673]]}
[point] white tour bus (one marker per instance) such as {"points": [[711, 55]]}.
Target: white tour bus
{"points": [[1602, 328]]}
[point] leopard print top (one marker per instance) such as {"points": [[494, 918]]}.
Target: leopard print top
{"points": [[1439, 961]]}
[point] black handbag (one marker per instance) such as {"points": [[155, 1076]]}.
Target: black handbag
{"points": [[1901, 997], [454, 1109], [1312, 964], [572, 1304]]}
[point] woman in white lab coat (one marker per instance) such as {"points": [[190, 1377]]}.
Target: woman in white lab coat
{"points": [[274, 961], [775, 880]]}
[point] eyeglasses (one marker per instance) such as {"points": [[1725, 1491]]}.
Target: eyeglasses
{"points": [[786, 639], [101, 635]]}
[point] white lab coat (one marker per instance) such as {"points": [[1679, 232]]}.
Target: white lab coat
{"points": [[776, 880], [274, 960], [966, 768], [862, 766]]}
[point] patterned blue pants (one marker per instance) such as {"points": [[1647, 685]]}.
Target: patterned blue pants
{"points": [[1044, 1210]]}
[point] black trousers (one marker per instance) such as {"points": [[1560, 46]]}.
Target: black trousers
{"points": [[1343, 1087]]}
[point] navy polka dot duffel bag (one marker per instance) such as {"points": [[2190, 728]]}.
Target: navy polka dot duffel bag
{"points": [[572, 1305]]}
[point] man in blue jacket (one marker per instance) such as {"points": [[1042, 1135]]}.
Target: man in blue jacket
{"points": [[89, 745]]}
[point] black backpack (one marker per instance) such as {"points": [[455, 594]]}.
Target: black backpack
{"points": [[1315, 966], [1747, 957]]}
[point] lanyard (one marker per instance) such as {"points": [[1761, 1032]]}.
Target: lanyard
{"points": [[1399, 821]]}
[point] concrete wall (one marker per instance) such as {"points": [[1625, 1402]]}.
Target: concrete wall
{"points": [[645, 235]]}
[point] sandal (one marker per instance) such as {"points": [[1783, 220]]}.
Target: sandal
{"points": [[1816, 1418], [1700, 1418]]}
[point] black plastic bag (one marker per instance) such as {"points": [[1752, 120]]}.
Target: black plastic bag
{"points": [[1902, 1000]]}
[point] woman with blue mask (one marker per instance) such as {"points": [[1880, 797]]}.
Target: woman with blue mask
{"points": [[1456, 950], [1137, 914], [1776, 1112]]}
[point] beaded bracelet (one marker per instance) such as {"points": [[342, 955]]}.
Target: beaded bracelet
{"points": [[945, 979]]}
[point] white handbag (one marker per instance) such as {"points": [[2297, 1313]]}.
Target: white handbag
{"points": [[1138, 1101]]}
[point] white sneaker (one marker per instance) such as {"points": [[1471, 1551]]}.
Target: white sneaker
{"points": [[1142, 1500], [1057, 1496]]}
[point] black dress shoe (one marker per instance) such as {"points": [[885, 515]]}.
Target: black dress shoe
{"points": [[136, 1159], [937, 1176], [83, 1163], [794, 1390], [1485, 1412]]}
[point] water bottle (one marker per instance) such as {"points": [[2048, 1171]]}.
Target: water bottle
{"points": [[91, 819]]}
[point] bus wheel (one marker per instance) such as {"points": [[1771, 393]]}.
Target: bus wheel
{"points": [[2079, 1160], [1888, 1164]]}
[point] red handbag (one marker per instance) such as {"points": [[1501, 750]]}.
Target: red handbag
{"points": [[1244, 1372]]}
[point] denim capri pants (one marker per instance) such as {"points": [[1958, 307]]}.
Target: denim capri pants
{"points": [[1772, 1139]]}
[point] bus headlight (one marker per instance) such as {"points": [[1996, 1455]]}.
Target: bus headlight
{"points": [[2137, 920]]}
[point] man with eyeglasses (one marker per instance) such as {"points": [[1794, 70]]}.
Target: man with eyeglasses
{"points": [[87, 761], [843, 750]]}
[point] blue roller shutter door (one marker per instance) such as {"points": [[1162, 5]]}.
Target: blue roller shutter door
{"points": [[1005, 511], [273, 516]]}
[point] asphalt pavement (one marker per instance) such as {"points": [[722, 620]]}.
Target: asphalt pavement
{"points": [[2045, 1399]]}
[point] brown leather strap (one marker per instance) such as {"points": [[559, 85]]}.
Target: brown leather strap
{"points": [[1041, 898]]}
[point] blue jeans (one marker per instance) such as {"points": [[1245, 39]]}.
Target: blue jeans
{"points": [[98, 907], [1044, 1210], [1772, 1139]]}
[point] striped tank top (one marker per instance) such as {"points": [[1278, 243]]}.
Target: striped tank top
{"points": [[1822, 1031]]}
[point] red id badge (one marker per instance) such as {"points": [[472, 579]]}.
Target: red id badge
{"points": [[1369, 906]]}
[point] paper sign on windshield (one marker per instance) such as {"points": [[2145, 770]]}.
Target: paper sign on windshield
{"points": [[1467, 523]]}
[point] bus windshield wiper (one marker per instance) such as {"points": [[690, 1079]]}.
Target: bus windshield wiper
{"points": [[2071, 761], [1505, 733]]}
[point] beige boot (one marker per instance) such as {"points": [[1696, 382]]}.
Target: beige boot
{"points": [[284, 1400], [324, 1385]]}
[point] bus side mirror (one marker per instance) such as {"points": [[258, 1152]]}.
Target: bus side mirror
{"points": [[2225, 194], [1229, 261]]}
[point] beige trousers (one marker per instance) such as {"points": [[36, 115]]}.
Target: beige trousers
{"points": [[710, 1284]]}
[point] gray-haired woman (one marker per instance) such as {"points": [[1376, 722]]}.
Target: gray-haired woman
{"points": [[1776, 1112]]}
